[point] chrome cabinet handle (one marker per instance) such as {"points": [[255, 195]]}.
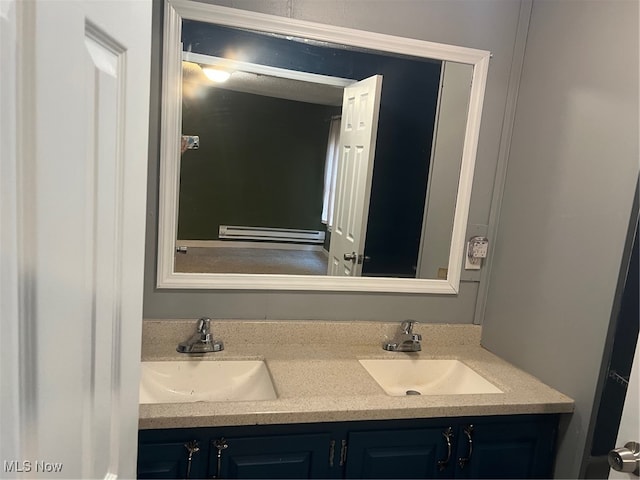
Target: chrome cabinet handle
{"points": [[448, 435], [468, 431], [343, 453], [220, 445], [192, 447], [332, 452]]}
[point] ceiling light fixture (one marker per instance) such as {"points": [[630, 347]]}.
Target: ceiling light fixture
{"points": [[216, 75]]}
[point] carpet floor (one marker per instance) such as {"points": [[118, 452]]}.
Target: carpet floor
{"points": [[251, 260]]}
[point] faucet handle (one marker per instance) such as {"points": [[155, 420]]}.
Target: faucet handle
{"points": [[204, 325], [407, 326]]}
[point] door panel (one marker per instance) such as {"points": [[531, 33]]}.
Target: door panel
{"points": [[360, 109], [618, 363], [396, 454], [507, 450], [171, 460], [84, 123], [279, 456], [501, 459], [290, 465], [630, 422], [104, 63]]}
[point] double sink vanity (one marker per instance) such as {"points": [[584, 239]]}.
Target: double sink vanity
{"points": [[325, 400]]}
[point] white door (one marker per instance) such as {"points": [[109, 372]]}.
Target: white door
{"points": [[629, 430], [358, 130], [76, 214]]}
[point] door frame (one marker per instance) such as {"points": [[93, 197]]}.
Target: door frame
{"points": [[596, 466], [16, 225]]}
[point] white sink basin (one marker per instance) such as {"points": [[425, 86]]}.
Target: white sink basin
{"points": [[427, 377], [205, 381]]}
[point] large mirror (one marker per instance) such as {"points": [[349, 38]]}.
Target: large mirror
{"points": [[328, 159]]}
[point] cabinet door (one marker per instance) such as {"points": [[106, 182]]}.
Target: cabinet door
{"points": [[277, 456], [419, 453], [172, 460], [506, 450]]}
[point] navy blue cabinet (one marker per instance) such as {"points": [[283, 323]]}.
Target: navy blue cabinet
{"points": [[499, 447], [172, 454], [520, 446], [506, 449], [271, 456], [280, 451], [409, 453]]}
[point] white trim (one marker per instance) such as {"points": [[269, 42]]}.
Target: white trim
{"points": [[240, 244], [171, 118], [17, 232], [231, 17], [11, 414], [303, 283], [238, 66], [175, 11], [467, 168], [517, 62]]}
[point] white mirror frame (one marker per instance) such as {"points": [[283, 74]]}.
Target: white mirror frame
{"points": [[175, 12]]}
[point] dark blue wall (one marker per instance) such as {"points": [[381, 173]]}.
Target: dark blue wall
{"points": [[405, 131]]}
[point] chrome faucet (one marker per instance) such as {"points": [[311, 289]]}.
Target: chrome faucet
{"points": [[407, 341], [201, 341]]}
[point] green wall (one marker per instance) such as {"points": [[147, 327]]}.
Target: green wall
{"points": [[260, 163]]}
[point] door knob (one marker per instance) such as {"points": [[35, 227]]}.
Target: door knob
{"points": [[350, 257], [354, 257], [626, 459]]}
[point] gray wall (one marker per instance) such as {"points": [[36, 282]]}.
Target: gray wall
{"points": [[571, 175], [484, 24], [446, 159]]}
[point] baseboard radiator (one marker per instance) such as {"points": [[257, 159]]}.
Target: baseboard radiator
{"points": [[270, 234]]}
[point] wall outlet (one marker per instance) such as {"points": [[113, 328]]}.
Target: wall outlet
{"points": [[472, 263], [477, 248]]}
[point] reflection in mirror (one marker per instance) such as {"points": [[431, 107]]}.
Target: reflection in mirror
{"points": [[258, 195], [278, 160]]}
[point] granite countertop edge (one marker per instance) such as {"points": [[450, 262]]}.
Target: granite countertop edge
{"points": [[302, 375]]}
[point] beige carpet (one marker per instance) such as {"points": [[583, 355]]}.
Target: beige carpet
{"points": [[251, 260]]}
